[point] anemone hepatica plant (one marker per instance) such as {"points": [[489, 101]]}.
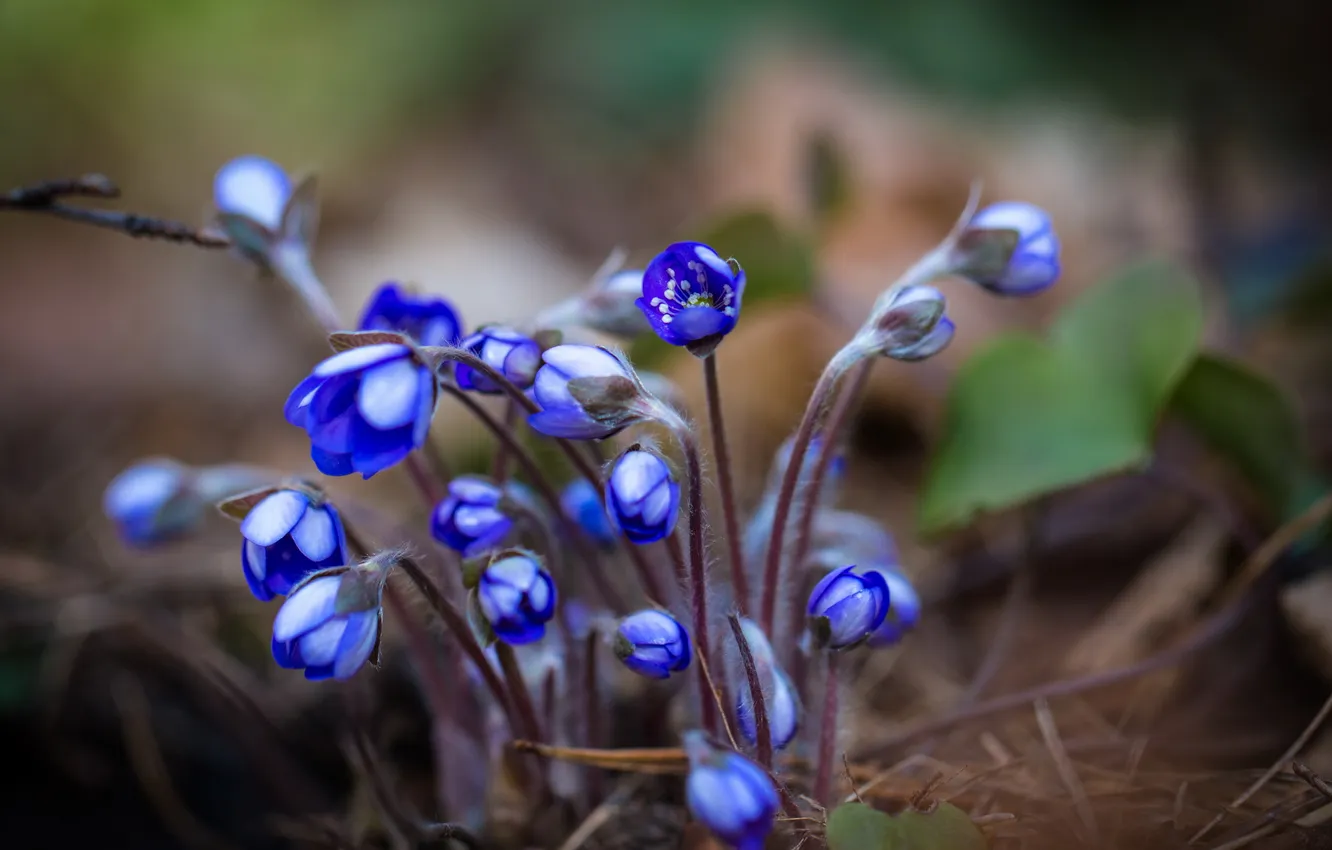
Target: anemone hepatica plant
{"points": [[617, 559]]}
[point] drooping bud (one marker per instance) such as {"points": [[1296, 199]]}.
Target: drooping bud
{"points": [[642, 496], [729, 794], [846, 606], [586, 393], [652, 643], [1009, 248], [331, 623]]}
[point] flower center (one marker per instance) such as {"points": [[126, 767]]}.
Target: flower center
{"points": [[682, 293]]}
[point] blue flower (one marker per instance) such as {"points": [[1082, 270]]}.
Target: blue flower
{"points": [[652, 643], [470, 519], [583, 504], [516, 596], [425, 318], [253, 187], [508, 352], [330, 625], [1030, 267], [729, 794], [642, 496], [691, 296], [585, 393], [845, 607], [903, 609], [365, 409], [780, 701], [153, 501], [287, 536]]}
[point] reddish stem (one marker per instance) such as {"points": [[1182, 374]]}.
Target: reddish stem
{"points": [[731, 521]]}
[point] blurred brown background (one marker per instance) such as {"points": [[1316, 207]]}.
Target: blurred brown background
{"points": [[495, 152]]}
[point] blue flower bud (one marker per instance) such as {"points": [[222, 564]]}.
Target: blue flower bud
{"points": [[608, 306], [729, 794], [585, 393], [508, 352], [988, 254], [470, 519], [845, 607], [252, 187], [903, 609], [516, 596], [427, 319], [931, 344], [781, 702], [903, 320], [288, 536], [153, 501], [642, 496], [652, 643], [582, 503], [330, 625], [365, 409], [691, 296]]}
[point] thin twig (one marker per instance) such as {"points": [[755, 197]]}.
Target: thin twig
{"points": [[1303, 771], [1064, 765], [43, 198], [1290, 753]]}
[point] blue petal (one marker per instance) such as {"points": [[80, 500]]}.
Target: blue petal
{"points": [[376, 450], [315, 535], [636, 475], [287, 654], [274, 517], [254, 187], [307, 609], [583, 361], [821, 596], [663, 329], [330, 415], [142, 489], [695, 323], [389, 395], [569, 425], [320, 644], [331, 463], [254, 572], [319, 672], [356, 644], [519, 633], [359, 359], [425, 407], [298, 402]]}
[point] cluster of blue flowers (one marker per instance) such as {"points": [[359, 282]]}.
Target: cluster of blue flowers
{"points": [[369, 407]]}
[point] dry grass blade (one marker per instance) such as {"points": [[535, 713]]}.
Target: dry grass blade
{"points": [[1067, 773], [649, 760], [602, 813]]}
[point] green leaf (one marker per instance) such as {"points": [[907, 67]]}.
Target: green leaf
{"points": [[856, 826], [944, 827], [777, 262], [1028, 417], [1251, 424]]}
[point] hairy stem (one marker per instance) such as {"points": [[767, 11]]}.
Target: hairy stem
{"points": [[772, 573], [731, 521], [827, 736], [500, 469], [697, 571], [762, 731]]}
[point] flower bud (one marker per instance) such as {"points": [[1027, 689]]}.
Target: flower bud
{"points": [[931, 344], [608, 306], [642, 496], [903, 320], [903, 609], [251, 194], [652, 643], [470, 520], [585, 393], [153, 501], [330, 625], [428, 320], [847, 606], [781, 702], [1009, 248], [582, 504], [365, 409], [288, 536], [516, 597], [508, 352], [729, 794], [691, 296]]}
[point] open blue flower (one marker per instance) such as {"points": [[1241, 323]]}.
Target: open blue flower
{"points": [[846, 607], [517, 598], [643, 497], [508, 352], [330, 625], [691, 296], [585, 393], [1033, 264], [152, 501], [364, 409], [903, 609], [729, 794], [581, 503], [428, 319], [288, 536], [652, 643], [470, 520]]}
